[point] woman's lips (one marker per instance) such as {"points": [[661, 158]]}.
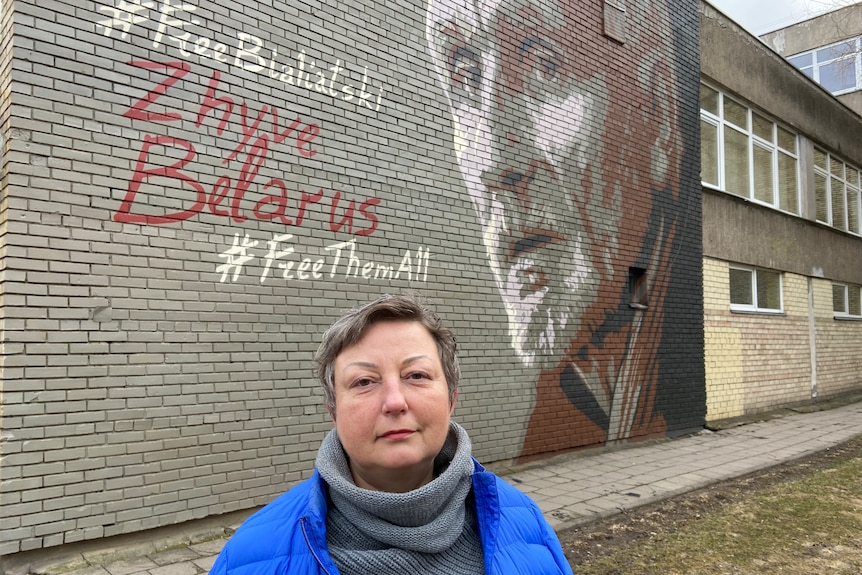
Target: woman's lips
{"points": [[397, 434]]}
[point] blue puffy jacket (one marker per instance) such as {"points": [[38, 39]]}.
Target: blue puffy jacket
{"points": [[288, 536]]}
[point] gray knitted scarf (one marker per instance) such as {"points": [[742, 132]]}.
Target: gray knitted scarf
{"points": [[428, 530]]}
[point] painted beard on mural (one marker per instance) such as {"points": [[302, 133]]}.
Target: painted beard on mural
{"points": [[529, 132]]}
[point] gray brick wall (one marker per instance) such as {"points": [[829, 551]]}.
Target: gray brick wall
{"points": [[172, 252]]}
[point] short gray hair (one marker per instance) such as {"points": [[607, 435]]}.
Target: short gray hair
{"points": [[352, 327]]}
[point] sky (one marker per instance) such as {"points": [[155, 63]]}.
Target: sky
{"points": [[761, 16]]}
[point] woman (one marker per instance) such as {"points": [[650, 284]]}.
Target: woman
{"points": [[395, 489]]}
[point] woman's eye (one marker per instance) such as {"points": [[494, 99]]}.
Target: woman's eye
{"points": [[417, 376], [364, 382]]}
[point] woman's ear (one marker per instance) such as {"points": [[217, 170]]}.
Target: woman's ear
{"points": [[454, 399]]}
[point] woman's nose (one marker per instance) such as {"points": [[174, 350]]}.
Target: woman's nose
{"points": [[394, 400]]}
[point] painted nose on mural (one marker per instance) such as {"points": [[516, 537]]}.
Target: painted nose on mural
{"points": [[513, 174], [517, 183]]}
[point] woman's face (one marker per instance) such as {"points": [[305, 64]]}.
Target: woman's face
{"points": [[392, 406]]}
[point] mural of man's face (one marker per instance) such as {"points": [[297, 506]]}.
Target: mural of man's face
{"points": [[527, 140]]}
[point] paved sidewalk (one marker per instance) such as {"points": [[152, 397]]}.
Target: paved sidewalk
{"points": [[574, 489], [581, 490]]}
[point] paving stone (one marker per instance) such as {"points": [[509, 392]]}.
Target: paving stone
{"points": [[205, 563], [90, 570], [174, 556], [130, 566], [184, 568], [209, 547]]}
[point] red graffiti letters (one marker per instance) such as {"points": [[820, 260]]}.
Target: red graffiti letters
{"points": [[176, 71], [168, 162]]}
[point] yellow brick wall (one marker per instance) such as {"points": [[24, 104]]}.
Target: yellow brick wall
{"points": [[722, 346], [757, 362], [839, 347]]}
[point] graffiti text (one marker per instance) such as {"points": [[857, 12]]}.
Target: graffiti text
{"points": [[226, 197], [175, 22], [341, 260]]}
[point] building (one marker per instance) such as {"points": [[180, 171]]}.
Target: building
{"points": [[781, 227], [193, 191], [828, 49]]}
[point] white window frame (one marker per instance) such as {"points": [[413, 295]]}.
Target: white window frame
{"points": [[852, 192], [753, 140], [845, 312], [813, 70], [755, 306]]}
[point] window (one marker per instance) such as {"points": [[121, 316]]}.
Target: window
{"points": [[837, 192], [837, 67], [745, 153], [847, 300], [756, 290]]}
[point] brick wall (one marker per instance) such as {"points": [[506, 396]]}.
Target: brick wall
{"points": [[723, 354], [839, 366], [193, 191], [757, 362]]}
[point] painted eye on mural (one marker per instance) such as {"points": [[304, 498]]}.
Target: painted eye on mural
{"points": [[548, 69], [466, 73], [545, 64]]}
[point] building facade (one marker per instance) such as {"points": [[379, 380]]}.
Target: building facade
{"points": [[193, 191], [828, 49], [781, 161]]}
